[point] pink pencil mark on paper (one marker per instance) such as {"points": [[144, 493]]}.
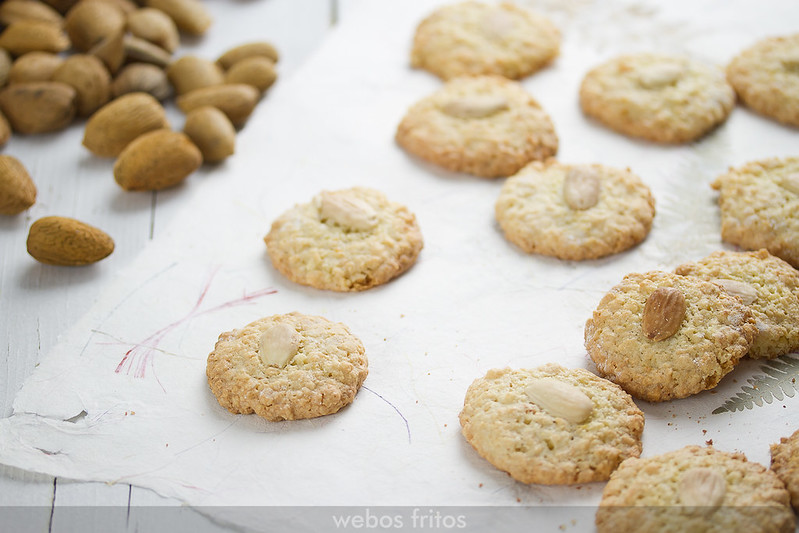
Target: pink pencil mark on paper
{"points": [[141, 355]]}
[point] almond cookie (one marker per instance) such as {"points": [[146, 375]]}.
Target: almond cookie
{"points": [[694, 489], [347, 240], [474, 38], [574, 211], [760, 206], [768, 285], [656, 97], [551, 425], [662, 336], [287, 367], [785, 463], [766, 78], [487, 126]]}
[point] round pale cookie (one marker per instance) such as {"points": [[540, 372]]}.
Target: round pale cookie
{"points": [[694, 489], [759, 204], [474, 38], [287, 367], [551, 425], [486, 126], [785, 463], [766, 78], [574, 211], [347, 240], [768, 285], [662, 336], [657, 97]]}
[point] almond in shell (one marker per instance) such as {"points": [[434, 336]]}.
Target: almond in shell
{"points": [[190, 16], [38, 107], [156, 160], [67, 242], [34, 66], [256, 71], [212, 132], [142, 78], [89, 22], [5, 66], [191, 72], [110, 129], [31, 36], [17, 190], [89, 77], [237, 101], [5, 130], [155, 26], [15, 10], [243, 51]]}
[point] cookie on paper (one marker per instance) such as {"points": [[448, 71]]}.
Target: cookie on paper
{"points": [[574, 212], [487, 126], [661, 336], [476, 38], [287, 367], [767, 285], [551, 425], [759, 204], [347, 240], [766, 78], [785, 463], [694, 489], [660, 98]]}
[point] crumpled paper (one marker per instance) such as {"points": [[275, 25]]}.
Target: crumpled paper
{"points": [[124, 399]]}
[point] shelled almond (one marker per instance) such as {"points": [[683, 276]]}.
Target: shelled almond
{"points": [[67, 242], [17, 190], [38, 107], [156, 160], [34, 66], [118, 123]]}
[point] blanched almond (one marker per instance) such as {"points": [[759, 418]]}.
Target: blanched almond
{"points": [[560, 399], [475, 106], [581, 188], [279, 344], [347, 210]]}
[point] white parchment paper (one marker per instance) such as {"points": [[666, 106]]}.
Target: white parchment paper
{"points": [[124, 398]]}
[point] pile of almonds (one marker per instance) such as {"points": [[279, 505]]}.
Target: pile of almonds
{"points": [[111, 62]]}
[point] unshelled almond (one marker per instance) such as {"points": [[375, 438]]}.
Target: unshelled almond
{"points": [[212, 132], [38, 107], [746, 292], [190, 16], [154, 26], [89, 77], [62, 6], [5, 130], [581, 188], [663, 313], [144, 78], [15, 10], [191, 72], [156, 160], [111, 51], [17, 190], [347, 211], [243, 51], [67, 242], [703, 489], [112, 127], [33, 36], [89, 22], [140, 50], [256, 71], [560, 399], [34, 66], [5, 66], [278, 345], [237, 101]]}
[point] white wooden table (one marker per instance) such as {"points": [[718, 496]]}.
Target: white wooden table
{"points": [[39, 303]]}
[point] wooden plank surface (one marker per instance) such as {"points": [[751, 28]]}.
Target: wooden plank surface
{"points": [[39, 303]]}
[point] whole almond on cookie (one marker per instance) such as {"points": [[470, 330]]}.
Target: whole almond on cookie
{"points": [[38, 107], [17, 190], [156, 160], [663, 313], [212, 132], [67, 242], [116, 124], [560, 399]]}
